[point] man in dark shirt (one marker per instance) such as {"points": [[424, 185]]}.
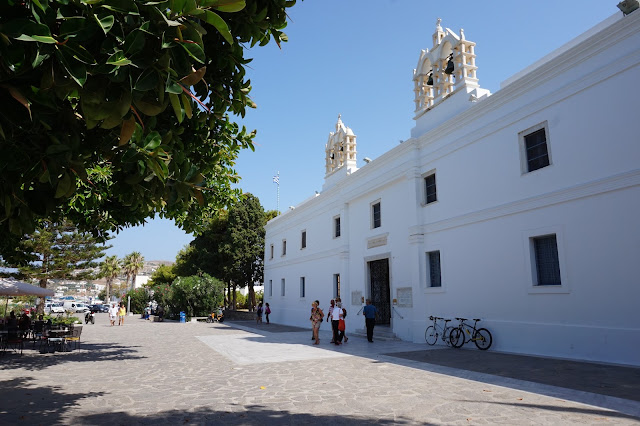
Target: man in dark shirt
{"points": [[369, 312]]}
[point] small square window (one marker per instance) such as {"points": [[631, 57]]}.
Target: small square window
{"points": [[282, 287], [430, 189], [303, 238], [302, 285], [336, 227], [534, 148], [547, 261], [433, 259], [284, 247], [376, 215]]}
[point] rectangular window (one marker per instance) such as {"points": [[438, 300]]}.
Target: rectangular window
{"points": [[271, 252], [376, 218], [433, 258], [534, 148], [284, 247], [302, 289], [430, 189], [303, 242], [547, 261], [336, 285], [282, 287], [270, 288], [336, 227]]}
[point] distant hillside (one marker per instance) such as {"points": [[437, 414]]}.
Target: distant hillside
{"points": [[152, 265]]}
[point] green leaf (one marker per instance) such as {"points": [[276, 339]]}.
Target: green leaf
{"points": [[134, 42], [173, 87], [123, 6], [148, 80], [224, 5], [106, 23], [194, 50], [63, 186], [186, 102], [175, 103], [78, 52], [152, 141], [176, 6], [118, 59], [77, 70], [26, 30], [222, 27]]}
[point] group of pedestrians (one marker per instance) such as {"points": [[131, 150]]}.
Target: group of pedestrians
{"points": [[337, 315], [118, 313], [260, 310]]}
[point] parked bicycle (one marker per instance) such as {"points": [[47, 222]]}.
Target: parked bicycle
{"points": [[465, 333], [436, 330]]}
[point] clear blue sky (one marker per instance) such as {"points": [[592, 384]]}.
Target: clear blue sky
{"points": [[356, 57]]}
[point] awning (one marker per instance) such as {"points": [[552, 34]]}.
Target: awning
{"points": [[12, 287]]}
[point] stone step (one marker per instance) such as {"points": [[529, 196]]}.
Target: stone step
{"points": [[379, 333]]}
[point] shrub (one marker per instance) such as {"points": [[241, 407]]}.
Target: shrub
{"points": [[195, 295]]}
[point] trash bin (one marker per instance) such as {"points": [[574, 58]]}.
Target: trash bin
{"points": [[183, 316]]}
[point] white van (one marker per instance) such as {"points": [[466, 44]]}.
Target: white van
{"points": [[53, 308], [73, 306]]}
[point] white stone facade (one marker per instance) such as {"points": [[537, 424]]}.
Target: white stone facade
{"points": [[490, 223]]}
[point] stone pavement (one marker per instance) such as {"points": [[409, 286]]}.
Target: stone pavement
{"points": [[239, 373]]}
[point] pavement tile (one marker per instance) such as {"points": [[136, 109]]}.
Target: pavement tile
{"points": [[243, 374]]}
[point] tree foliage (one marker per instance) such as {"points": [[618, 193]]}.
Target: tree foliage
{"points": [[195, 295], [114, 110], [140, 299], [244, 246], [110, 270], [59, 251], [131, 265]]}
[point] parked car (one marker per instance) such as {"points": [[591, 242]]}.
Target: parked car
{"points": [[76, 306], [98, 308], [82, 307], [53, 308]]}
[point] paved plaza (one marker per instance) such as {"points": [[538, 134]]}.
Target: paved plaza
{"points": [[237, 374]]}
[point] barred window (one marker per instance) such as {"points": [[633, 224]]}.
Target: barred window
{"points": [[376, 216], [430, 189], [302, 287], [336, 227], [303, 243], [434, 268], [547, 261], [536, 150]]}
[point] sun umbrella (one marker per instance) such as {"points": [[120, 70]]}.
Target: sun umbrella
{"points": [[12, 287]]}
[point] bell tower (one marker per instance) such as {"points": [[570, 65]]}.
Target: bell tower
{"points": [[448, 69], [340, 154]]}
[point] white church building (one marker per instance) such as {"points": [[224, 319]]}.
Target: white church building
{"points": [[520, 207]]}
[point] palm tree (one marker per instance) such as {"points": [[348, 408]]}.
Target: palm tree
{"points": [[110, 269], [132, 264]]}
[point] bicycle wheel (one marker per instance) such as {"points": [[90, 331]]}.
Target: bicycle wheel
{"points": [[446, 335], [431, 335], [457, 337], [482, 338]]}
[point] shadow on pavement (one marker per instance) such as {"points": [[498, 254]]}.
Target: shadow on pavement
{"points": [[611, 380], [271, 328], [251, 415], [33, 360], [36, 405]]}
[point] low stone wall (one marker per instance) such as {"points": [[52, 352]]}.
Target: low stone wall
{"points": [[239, 315]]}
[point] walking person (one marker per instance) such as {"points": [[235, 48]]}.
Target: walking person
{"points": [[336, 316], [121, 313], [259, 314], [317, 316], [113, 314], [267, 311], [332, 305], [369, 312]]}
